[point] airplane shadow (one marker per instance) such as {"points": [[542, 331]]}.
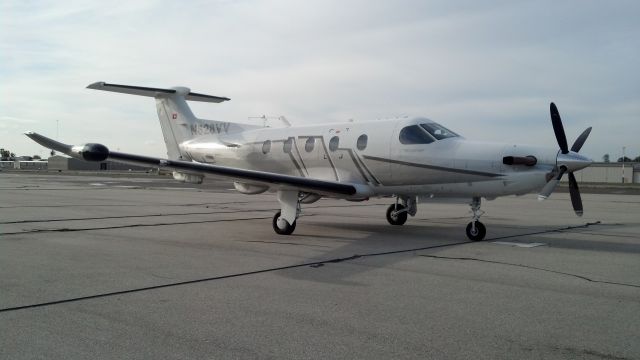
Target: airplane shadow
{"points": [[389, 245]]}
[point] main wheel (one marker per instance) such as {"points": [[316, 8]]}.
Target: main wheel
{"points": [[282, 226], [398, 219], [478, 233]]}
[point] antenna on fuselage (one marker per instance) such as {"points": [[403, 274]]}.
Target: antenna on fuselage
{"points": [[265, 120], [285, 121]]}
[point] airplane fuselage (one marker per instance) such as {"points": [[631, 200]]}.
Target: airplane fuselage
{"points": [[381, 156]]}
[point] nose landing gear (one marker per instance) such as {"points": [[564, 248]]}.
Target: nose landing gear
{"points": [[476, 230]]}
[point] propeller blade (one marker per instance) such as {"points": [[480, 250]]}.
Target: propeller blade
{"points": [[558, 129], [577, 145], [574, 191], [548, 189], [551, 185]]}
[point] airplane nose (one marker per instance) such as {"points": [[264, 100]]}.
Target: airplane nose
{"points": [[573, 161]]}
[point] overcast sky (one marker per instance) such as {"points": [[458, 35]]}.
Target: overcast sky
{"points": [[485, 69]]}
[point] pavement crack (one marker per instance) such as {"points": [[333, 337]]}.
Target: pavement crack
{"points": [[313, 264], [35, 231], [584, 226], [285, 243], [124, 217], [464, 258]]}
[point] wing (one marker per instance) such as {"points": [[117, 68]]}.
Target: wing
{"points": [[99, 152]]}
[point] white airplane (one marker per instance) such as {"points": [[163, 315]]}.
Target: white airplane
{"points": [[414, 160]]}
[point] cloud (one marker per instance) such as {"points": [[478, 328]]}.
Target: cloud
{"points": [[485, 69]]}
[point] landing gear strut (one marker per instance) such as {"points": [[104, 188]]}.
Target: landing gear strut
{"points": [[475, 229]]}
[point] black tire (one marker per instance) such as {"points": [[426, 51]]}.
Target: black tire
{"points": [[479, 234], [288, 230], [399, 219]]}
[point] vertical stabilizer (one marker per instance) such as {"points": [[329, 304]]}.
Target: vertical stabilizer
{"points": [[176, 118]]}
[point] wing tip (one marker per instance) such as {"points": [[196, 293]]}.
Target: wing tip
{"points": [[96, 85]]}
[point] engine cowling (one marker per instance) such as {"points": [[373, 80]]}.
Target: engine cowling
{"points": [[90, 152]]}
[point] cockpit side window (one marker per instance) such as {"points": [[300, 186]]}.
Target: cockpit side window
{"points": [[438, 131], [415, 134]]}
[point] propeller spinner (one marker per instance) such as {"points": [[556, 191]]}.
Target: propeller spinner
{"points": [[567, 161]]}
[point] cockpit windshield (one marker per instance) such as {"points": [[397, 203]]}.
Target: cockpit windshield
{"points": [[438, 131], [424, 133]]}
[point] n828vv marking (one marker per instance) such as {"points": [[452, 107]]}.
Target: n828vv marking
{"points": [[412, 160]]}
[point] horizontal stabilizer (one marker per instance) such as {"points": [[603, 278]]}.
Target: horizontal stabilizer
{"points": [[156, 92]]}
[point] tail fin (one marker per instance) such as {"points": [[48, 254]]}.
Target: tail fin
{"points": [[176, 119]]}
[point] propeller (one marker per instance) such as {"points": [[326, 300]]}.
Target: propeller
{"points": [[567, 161]]}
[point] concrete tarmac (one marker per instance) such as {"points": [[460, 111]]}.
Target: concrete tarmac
{"points": [[141, 267]]}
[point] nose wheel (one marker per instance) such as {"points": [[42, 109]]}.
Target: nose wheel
{"points": [[475, 229]]}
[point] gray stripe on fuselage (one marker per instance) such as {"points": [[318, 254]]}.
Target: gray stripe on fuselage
{"points": [[293, 159], [356, 163], [295, 145], [377, 182], [434, 167], [326, 151]]}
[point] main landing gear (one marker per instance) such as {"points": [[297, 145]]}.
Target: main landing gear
{"points": [[284, 221], [475, 229], [282, 226], [397, 213]]}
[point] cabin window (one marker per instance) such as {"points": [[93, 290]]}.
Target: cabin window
{"points": [[362, 142], [415, 134], [438, 131], [266, 146], [308, 146], [334, 143], [287, 145]]}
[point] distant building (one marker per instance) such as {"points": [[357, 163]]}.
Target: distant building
{"points": [[23, 165], [31, 165], [7, 165], [611, 173], [63, 163]]}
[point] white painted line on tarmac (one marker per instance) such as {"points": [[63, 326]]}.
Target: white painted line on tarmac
{"points": [[523, 245]]}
